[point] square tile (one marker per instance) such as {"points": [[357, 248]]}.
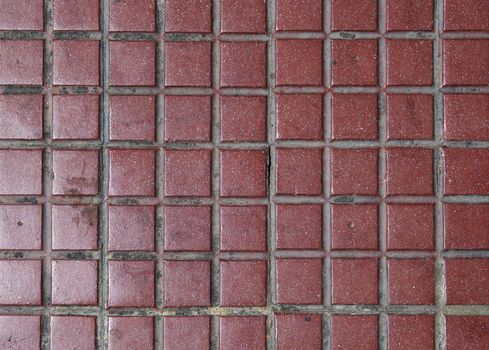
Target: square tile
{"points": [[408, 332], [132, 166], [354, 62], [188, 17], [243, 283], [354, 332], [76, 117], [409, 62], [21, 282], [462, 226], [132, 63], [243, 16], [299, 62], [243, 118], [131, 333], [243, 64], [132, 15], [465, 15], [411, 281], [131, 284], [243, 228], [358, 15], [74, 282], [76, 62], [303, 180], [242, 332], [465, 171], [299, 281], [23, 331], [355, 281], [76, 15], [21, 171], [409, 171], [354, 117], [78, 332], [299, 226], [132, 118], [465, 117], [187, 283], [188, 63], [188, 118], [354, 171], [22, 62], [186, 332], [75, 172], [298, 331], [355, 226], [21, 15], [409, 117], [466, 281], [188, 228], [299, 15], [243, 173], [299, 116], [467, 332], [188, 173], [131, 228], [20, 227], [74, 227], [21, 117], [409, 15]]}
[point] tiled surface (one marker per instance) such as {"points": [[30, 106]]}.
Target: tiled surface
{"points": [[230, 174]]}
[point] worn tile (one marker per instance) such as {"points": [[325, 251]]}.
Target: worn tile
{"points": [[243, 118], [23, 332], [299, 281], [243, 16], [74, 282], [187, 64], [299, 226], [130, 332], [22, 62], [467, 332], [188, 17], [243, 283], [299, 15], [466, 171], [188, 118], [74, 227], [355, 281], [21, 15], [298, 331], [357, 15], [21, 117], [77, 332], [463, 226], [76, 117], [21, 282], [465, 117], [76, 62], [132, 63], [411, 332], [132, 118], [187, 228], [76, 15], [132, 15], [242, 332], [410, 117], [186, 332], [409, 62], [466, 281], [21, 171], [354, 226], [131, 228], [354, 332], [409, 15], [465, 15], [20, 227]]}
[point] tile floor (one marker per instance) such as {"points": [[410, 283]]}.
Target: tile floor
{"points": [[230, 174]]}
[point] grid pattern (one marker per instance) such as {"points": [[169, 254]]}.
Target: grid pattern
{"points": [[280, 174]]}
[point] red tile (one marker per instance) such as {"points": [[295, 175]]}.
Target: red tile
{"points": [[355, 281], [22, 62], [409, 62], [131, 228], [408, 332], [132, 15], [74, 282], [20, 227], [243, 64], [242, 332], [23, 332], [243, 283], [188, 173], [77, 332], [303, 180], [467, 281], [243, 16], [131, 333], [359, 15], [243, 173], [21, 282], [411, 281], [74, 227], [131, 283], [465, 117], [243, 228], [465, 15], [21, 117], [298, 331], [188, 63], [464, 226], [188, 118], [409, 116], [132, 63], [76, 62], [465, 62], [20, 172], [243, 118], [354, 117], [466, 171], [76, 117], [299, 281], [21, 15], [299, 226], [354, 171], [354, 62], [410, 227], [75, 172], [355, 226], [467, 332], [76, 15], [132, 166], [299, 15], [187, 283], [299, 117], [188, 17], [354, 332], [409, 171], [132, 118], [186, 332], [299, 62], [188, 228], [409, 15]]}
